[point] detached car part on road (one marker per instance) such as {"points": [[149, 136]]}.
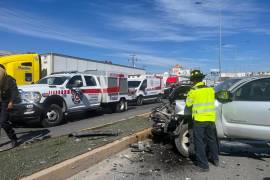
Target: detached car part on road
{"points": [[61, 93], [242, 107]]}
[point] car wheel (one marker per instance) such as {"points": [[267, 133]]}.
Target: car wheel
{"points": [[159, 98], [53, 116], [182, 143], [121, 106], [139, 101]]}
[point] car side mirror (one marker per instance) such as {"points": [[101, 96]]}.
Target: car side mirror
{"points": [[224, 96]]}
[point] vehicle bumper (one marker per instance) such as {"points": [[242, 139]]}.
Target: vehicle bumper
{"points": [[132, 98], [24, 112], [167, 92]]}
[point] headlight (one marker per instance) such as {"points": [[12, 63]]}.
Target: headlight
{"points": [[30, 97]]}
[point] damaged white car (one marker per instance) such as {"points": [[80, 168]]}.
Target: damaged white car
{"points": [[242, 106]]}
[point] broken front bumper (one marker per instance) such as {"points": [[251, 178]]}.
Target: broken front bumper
{"points": [[24, 112]]}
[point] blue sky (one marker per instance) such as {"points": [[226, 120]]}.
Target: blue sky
{"points": [[160, 32]]}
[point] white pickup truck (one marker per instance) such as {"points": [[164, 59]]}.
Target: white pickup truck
{"points": [[61, 93], [242, 107]]}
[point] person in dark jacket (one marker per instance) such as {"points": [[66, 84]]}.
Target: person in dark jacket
{"points": [[9, 95]]}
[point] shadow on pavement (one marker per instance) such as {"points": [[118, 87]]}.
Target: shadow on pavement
{"points": [[31, 136], [251, 149]]}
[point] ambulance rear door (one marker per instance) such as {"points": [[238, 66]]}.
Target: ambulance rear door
{"points": [[153, 86]]}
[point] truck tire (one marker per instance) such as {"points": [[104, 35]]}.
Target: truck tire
{"points": [[53, 116], [182, 141], [159, 98], [139, 101], [121, 106]]}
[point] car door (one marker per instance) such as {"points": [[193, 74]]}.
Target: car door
{"points": [[248, 115], [75, 98], [92, 90], [143, 88]]}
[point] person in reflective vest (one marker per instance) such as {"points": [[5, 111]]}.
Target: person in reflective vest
{"points": [[202, 100]]}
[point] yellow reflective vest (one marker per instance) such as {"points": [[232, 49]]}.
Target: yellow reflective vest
{"points": [[202, 100]]}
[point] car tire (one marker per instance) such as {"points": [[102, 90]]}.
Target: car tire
{"points": [[139, 101], [159, 98], [53, 116], [121, 106], [181, 142]]}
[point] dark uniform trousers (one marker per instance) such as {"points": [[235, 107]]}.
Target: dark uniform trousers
{"points": [[5, 124], [205, 136]]}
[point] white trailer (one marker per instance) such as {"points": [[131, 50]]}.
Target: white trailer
{"points": [[52, 62]]}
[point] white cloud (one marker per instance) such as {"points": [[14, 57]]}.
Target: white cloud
{"points": [[187, 20], [205, 13], [33, 25], [187, 13], [150, 30], [168, 37]]}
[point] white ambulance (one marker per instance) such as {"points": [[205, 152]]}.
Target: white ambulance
{"points": [[61, 93], [145, 88]]}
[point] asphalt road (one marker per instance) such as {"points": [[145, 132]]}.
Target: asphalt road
{"points": [[238, 160], [75, 122]]}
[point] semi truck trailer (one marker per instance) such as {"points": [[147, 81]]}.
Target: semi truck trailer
{"points": [[28, 68]]}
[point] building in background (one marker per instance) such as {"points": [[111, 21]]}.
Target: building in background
{"points": [[228, 75], [4, 53], [182, 73]]}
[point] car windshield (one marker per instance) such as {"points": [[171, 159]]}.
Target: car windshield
{"points": [[226, 84], [53, 80], [133, 84]]}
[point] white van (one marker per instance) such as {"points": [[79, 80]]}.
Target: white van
{"points": [[145, 88]]}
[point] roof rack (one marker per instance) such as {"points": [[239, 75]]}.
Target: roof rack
{"points": [[65, 72]]}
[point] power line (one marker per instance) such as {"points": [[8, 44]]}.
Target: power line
{"points": [[133, 58]]}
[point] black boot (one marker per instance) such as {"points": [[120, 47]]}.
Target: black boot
{"points": [[14, 143]]}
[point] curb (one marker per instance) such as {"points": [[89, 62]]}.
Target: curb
{"points": [[79, 163]]}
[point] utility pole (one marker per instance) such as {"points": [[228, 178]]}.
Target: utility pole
{"points": [[220, 42], [220, 35], [133, 59]]}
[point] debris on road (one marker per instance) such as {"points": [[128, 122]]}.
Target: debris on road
{"points": [[141, 146], [127, 157], [29, 158], [123, 172], [93, 133], [259, 169], [42, 162]]}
